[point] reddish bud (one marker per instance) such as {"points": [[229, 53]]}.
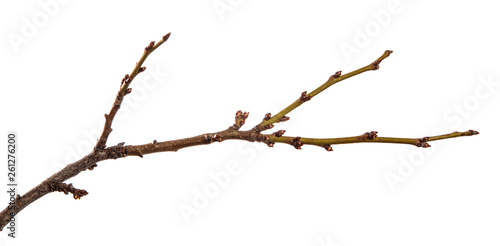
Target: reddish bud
{"points": [[165, 38], [328, 147], [337, 74], [279, 133], [304, 97], [423, 142], [284, 118], [150, 46], [295, 142], [92, 167], [370, 135], [266, 127]]}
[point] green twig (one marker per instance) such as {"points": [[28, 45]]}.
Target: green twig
{"points": [[337, 77], [370, 137]]}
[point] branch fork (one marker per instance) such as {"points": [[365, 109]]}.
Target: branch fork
{"points": [[234, 132]]}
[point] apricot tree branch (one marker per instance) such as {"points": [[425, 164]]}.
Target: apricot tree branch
{"points": [[369, 137], [101, 152], [304, 97], [124, 90]]}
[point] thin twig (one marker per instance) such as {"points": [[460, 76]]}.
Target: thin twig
{"points": [[337, 77], [369, 137], [124, 90]]}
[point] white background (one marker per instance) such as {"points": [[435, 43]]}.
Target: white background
{"points": [[257, 56]]}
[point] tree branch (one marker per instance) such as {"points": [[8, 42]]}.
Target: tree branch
{"points": [[369, 137], [101, 152], [304, 97], [124, 90]]}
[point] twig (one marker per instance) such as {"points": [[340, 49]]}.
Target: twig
{"points": [[124, 90], [101, 152], [369, 137], [304, 97]]}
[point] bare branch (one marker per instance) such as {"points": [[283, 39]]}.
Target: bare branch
{"points": [[369, 137], [125, 90], [101, 152], [304, 97]]}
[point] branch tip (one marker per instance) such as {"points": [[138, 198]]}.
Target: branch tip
{"points": [[472, 132], [376, 63], [165, 38]]}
